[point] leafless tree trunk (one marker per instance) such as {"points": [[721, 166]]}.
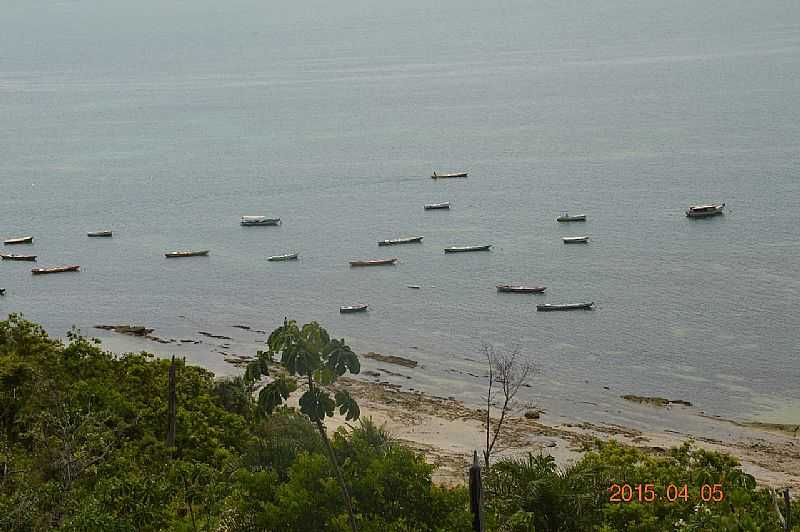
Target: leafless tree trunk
{"points": [[510, 370]]}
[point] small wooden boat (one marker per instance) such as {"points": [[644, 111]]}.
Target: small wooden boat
{"points": [[353, 308], [566, 217], [373, 262], [575, 239], [435, 206], [29, 258], [259, 220], [175, 254], [445, 176], [57, 269], [414, 286], [20, 240], [279, 258], [464, 249], [519, 289], [99, 234], [396, 241], [569, 306], [704, 211]]}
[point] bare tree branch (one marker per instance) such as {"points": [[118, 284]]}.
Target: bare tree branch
{"points": [[511, 370]]}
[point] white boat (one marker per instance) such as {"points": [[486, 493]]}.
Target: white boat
{"points": [[453, 174], [353, 308], [704, 211], [278, 258], [434, 206], [575, 239], [20, 240], [176, 254], [396, 241], [373, 262], [259, 220], [465, 249], [566, 217]]}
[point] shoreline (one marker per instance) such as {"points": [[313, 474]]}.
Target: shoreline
{"points": [[448, 429]]}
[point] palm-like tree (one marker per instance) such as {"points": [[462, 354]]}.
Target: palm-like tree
{"points": [[534, 493]]}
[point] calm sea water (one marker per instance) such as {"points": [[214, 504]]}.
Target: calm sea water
{"points": [[167, 121]]}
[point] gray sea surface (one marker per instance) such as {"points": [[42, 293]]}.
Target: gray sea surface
{"points": [[167, 121]]}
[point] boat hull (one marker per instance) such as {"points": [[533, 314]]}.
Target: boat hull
{"points": [[58, 269], [704, 211], [381, 262], [450, 175], [575, 239], [179, 254], [398, 241], [571, 306], [99, 234], [467, 249], [437, 206], [353, 309], [575, 218], [520, 289], [23, 240], [247, 221], [282, 258], [29, 258]]}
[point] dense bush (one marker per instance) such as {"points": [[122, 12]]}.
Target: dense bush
{"points": [[535, 494], [82, 448]]}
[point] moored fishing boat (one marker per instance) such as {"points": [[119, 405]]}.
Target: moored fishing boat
{"points": [[445, 176], [175, 254], [575, 239], [704, 211], [436, 206], [396, 241], [259, 220], [100, 234], [56, 269], [349, 309], [20, 240], [279, 258], [464, 249], [569, 306], [566, 217], [29, 258], [520, 289], [373, 262]]}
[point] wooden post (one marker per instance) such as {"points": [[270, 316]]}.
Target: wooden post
{"points": [[172, 406], [788, 516], [476, 494]]}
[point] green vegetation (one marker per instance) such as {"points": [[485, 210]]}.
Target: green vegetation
{"points": [[82, 448]]}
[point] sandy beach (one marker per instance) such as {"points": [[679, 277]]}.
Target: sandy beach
{"points": [[396, 394], [447, 431]]}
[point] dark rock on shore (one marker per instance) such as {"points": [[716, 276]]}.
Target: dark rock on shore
{"points": [[133, 330], [392, 359], [655, 401], [217, 336]]}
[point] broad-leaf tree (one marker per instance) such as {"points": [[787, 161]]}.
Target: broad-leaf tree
{"points": [[312, 360]]}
